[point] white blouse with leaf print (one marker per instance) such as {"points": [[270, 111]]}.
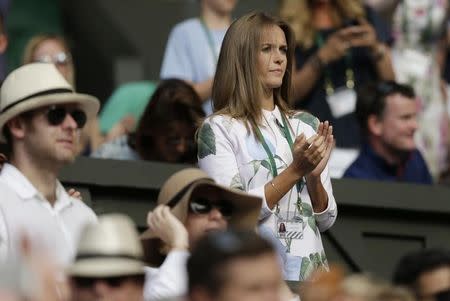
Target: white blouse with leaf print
{"points": [[234, 157]]}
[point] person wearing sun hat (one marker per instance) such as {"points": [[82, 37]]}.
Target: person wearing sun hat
{"points": [[109, 262], [40, 120], [190, 205]]}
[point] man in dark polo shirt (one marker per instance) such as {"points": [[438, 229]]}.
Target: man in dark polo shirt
{"points": [[387, 113]]}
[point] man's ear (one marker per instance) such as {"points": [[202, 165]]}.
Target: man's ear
{"points": [[200, 294], [374, 125], [16, 127]]}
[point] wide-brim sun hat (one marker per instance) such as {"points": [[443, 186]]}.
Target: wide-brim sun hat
{"points": [[109, 248], [38, 85], [176, 193]]}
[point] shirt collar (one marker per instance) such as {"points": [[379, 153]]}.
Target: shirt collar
{"points": [[17, 181], [274, 115]]}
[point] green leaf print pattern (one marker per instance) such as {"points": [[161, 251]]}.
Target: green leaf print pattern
{"points": [[236, 182], [312, 224], [206, 141], [311, 263], [309, 119], [307, 210]]}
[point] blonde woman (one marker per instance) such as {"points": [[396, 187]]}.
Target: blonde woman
{"points": [[340, 45], [254, 143]]}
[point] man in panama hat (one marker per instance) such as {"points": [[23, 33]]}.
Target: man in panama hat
{"points": [[40, 120], [109, 262], [190, 205]]}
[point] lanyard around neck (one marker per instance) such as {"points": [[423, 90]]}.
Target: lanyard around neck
{"points": [[210, 39], [287, 135], [349, 73]]}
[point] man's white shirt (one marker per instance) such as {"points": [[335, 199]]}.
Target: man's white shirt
{"points": [[54, 230]]}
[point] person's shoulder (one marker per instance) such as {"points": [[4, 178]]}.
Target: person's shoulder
{"points": [[186, 26]]}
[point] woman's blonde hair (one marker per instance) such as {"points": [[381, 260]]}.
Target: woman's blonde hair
{"points": [[37, 40], [298, 14], [237, 88]]}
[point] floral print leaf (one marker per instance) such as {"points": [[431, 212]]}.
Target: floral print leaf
{"points": [[306, 269], [283, 165], [312, 224], [307, 209], [206, 141], [324, 260], [308, 118], [236, 182], [266, 164]]}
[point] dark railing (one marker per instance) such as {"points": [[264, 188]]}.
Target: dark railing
{"points": [[377, 221]]}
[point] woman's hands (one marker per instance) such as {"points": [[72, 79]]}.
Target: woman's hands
{"points": [[169, 228], [311, 155]]}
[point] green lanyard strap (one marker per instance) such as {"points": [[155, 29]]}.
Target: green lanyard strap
{"points": [[209, 38], [287, 134]]}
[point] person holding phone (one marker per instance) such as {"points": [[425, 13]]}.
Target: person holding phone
{"points": [[254, 143], [340, 44]]}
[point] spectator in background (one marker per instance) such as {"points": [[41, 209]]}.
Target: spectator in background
{"points": [[165, 131], [234, 266], [54, 49], [109, 263], [341, 44], [41, 118], [194, 45], [190, 205], [426, 273], [418, 57], [387, 113]]}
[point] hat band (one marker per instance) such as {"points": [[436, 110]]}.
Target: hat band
{"points": [[176, 198], [46, 92], [98, 255]]}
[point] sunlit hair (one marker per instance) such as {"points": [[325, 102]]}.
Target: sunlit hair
{"points": [[237, 88], [173, 101], [298, 14], [34, 43]]}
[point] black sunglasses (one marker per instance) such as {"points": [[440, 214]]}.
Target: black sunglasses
{"points": [[57, 114], [204, 206], [117, 281]]}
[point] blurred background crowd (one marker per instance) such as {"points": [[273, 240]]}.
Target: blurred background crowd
{"points": [[377, 70]]}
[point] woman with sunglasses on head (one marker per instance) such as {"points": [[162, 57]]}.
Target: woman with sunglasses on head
{"points": [[166, 129], [254, 143]]}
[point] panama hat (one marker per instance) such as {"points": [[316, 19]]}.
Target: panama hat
{"points": [[176, 193], [109, 248], [37, 85]]}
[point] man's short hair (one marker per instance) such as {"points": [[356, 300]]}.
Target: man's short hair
{"points": [[371, 99], [411, 266], [214, 252]]}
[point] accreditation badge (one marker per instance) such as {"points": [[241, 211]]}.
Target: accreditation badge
{"points": [[342, 102], [289, 226]]}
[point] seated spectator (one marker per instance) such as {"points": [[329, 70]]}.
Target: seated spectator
{"points": [[41, 118], [125, 106], [190, 204], [193, 47], [387, 113], [49, 48], [165, 131], [109, 263], [234, 266], [426, 273]]}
